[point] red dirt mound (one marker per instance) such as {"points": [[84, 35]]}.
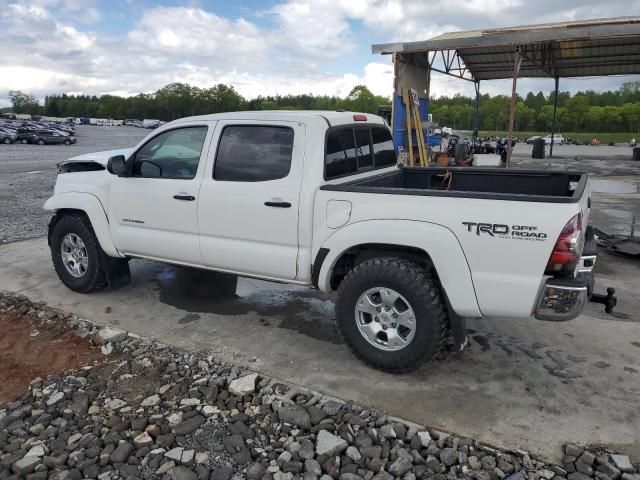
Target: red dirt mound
{"points": [[29, 349]]}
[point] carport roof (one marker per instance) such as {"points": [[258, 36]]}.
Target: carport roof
{"points": [[569, 49]]}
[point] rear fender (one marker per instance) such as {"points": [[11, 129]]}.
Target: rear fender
{"points": [[437, 241], [89, 204]]}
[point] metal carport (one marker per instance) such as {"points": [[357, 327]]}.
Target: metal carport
{"points": [[569, 49]]}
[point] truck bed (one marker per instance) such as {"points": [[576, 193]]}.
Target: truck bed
{"points": [[469, 182]]}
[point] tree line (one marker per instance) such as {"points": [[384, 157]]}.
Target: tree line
{"points": [[178, 100], [588, 111]]}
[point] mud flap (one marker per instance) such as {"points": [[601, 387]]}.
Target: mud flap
{"points": [[458, 327], [117, 271]]}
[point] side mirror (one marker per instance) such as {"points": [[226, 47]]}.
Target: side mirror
{"points": [[117, 165]]}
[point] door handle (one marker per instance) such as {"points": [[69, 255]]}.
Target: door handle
{"points": [[278, 204], [188, 198]]}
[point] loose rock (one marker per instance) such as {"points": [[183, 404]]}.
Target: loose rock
{"points": [[244, 386], [329, 444]]}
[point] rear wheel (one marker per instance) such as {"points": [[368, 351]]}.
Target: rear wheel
{"points": [[76, 254], [7, 140], [392, 313]]}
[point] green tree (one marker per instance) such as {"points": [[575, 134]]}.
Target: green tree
{"points": [[24, 102], [577, 109], [631, 116], [360, 99]]}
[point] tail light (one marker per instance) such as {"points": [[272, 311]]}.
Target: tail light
{"points": [[567, 250], [358, 117]]}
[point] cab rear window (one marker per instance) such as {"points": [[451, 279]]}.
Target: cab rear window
{"points": [[356, 149]]}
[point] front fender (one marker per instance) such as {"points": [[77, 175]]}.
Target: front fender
{"points": [[89, 204], [437, 241]]}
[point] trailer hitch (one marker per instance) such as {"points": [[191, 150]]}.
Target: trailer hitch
{"points": [[609, 300]]}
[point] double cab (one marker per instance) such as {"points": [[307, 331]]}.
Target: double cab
{"points": [[318, 199]]}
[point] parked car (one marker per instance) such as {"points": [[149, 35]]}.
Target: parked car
{"points": [[530, 140], [557, 139], [7, 136], [317, 199], [51, 137], [60, 128], [60, 131], [25, 134]]}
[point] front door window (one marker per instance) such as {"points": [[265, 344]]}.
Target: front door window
{"points": [[172, 154]]}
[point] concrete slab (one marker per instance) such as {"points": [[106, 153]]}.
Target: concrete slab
{"points": [[521, 384]]}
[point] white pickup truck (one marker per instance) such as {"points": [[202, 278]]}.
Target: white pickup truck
{"points": [[317, 199]]}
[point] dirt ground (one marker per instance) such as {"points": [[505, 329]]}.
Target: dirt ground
{"points": [[29, 350]]}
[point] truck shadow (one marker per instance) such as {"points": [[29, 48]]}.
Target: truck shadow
{"points": [[287, 306]]}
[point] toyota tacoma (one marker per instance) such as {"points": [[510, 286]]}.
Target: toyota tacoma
{"points": [[318, 199]]}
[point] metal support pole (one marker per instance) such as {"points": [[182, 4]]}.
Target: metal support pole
{"points": [[427, 92], [476, 123], [394, 60], [517, 61], [553, 123]]}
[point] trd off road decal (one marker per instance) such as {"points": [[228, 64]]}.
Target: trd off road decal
{"points": [[500, 230]]}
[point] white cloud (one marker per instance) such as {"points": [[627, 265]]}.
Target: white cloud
{"points": [[52, 46], [379, 78], [33, 37], [193, 32], [31, 79], [311, 31], [83, 11]]}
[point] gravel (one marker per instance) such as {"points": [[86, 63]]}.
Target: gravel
{"points": [[140, 413], [28, 174]]}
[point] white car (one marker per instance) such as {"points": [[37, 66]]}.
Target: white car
{"points": [[557, 139], [317, 199]]}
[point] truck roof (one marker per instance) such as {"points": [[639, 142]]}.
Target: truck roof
{"points": [[331, 116]]}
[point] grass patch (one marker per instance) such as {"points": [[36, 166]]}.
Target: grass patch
{"points": [[605, 138]]}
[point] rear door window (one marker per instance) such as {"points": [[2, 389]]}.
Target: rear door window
{"points": [[254, 153]]}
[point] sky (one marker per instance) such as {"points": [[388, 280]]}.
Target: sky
{"points": [[268, 47]]}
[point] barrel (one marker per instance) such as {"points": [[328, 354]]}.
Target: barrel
{"points": [[460, 152], [538, 148]]}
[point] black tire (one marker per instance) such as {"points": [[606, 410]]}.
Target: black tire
{"points": [[40, 142], [7, 141], [94, 278], [67, 142], [24, 141], [419, 287]]}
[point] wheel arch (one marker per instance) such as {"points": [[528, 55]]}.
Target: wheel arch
{"points": [[425, 243], [89, 205]]}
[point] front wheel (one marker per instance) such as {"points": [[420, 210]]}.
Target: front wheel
{"points": [[24, 141], [67, 142], [40, 142], [7, 141], [392, 314], [76, 254]]}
